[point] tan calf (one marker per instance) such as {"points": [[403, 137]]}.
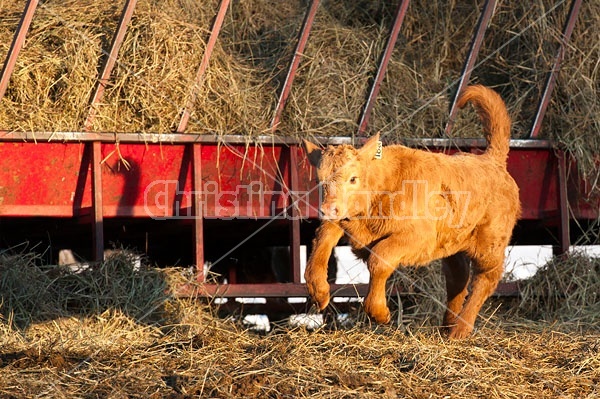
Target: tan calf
{"points": [[401, 206]]}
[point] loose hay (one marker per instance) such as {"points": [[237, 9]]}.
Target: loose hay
{"points": [[176, 348], [567, 289]]}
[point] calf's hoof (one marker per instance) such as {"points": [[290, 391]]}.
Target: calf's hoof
{"points": [[381, 314], [459, 331], [319, 293]]}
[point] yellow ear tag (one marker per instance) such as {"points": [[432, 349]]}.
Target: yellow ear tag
{"points": [[379, 151]]}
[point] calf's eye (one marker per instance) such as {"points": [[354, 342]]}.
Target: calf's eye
{"points": [[353, 180]]}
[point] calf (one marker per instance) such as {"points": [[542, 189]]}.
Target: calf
{"points": [[403, 206]]}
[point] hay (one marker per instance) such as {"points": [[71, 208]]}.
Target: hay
{"points": [[112, 331], [567, 289], [56, 70], [32, 291], [153, 345]]}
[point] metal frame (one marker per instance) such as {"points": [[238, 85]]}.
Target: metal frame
{"points": [[295, 62], [16, 45], [482, 24], [553, 74], [382, 68], [110, 61], [210, 45]]}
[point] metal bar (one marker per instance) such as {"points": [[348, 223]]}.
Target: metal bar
{"points": [[296, 58], [482, 24], [188, 138], [210, 45], [382, 68], [563, 198], [295, 222], [553, 74], [273, 290], [16, 45], [110, 61], [280, 290], [198, 211], [97, 220]]}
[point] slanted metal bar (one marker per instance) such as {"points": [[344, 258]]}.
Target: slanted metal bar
{"points": [[214, 34], [383, 63], [97, 217], [110, 61], [482, 24], [553, 74], [198, 211], [296, 58], [294, 215], [16, 45]]}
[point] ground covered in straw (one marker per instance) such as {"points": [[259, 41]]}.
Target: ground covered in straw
{"points": [[113, 331]]}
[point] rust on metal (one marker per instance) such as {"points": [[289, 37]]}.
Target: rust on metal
{"points": [[210, 45], [16, 45], [382, 68], [482, 24], [110, 61], [97, 202], [296, 58], [553, 74]]}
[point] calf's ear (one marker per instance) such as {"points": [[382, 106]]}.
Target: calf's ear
{"points": [[369, 149], [313, 152]]}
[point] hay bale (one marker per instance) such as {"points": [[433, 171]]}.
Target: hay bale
{"points": [[24, 290], [567, 289], [33, 291]]}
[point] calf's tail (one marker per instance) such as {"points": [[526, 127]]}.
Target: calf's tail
{"points": [[494, 116]]}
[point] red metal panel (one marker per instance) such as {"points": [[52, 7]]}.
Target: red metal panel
{"points": [[16, 45], [269, 290], [185, 116], [383, 63], [43, 179], [155, 180], [536, 174]]}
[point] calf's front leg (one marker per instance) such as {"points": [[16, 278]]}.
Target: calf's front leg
{"points": [[328, 235], [386, 255]]}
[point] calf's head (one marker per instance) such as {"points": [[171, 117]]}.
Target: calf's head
{"points": [[342, 172]]}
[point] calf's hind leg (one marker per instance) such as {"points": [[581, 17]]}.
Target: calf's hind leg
{"points": [[456, 269], [487, 272]]}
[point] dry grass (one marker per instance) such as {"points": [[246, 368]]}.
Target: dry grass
{"points": [[118, 334], [57, 69]]}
